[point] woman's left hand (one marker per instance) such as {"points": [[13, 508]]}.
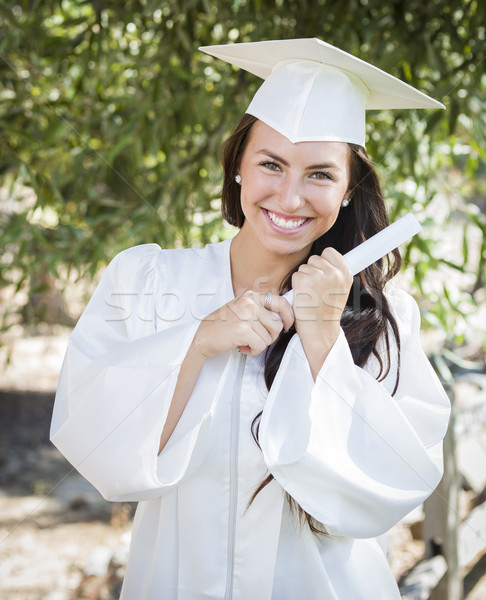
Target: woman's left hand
{"points": [[321, 288]]}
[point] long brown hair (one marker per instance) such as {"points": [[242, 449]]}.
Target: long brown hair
{"points": [[367, 318]]}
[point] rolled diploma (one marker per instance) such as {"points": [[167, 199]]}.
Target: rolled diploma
{"points": [[382, 243], [378, 246]]}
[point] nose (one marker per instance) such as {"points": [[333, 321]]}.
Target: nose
{"points": [[291, 196]]}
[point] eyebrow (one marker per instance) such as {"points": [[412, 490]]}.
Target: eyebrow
{"points": [[328, 165]]}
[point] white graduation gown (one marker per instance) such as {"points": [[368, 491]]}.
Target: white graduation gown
{"points": [[351, 455]]}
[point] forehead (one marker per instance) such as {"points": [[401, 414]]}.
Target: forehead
{"points": [[265, 138]]}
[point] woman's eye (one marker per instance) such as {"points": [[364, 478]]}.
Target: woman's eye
{"points": [[321, 175], [271, 165]]}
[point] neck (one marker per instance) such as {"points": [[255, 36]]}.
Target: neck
{"points": [[255, 268]]}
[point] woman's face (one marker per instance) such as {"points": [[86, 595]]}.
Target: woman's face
{"points": [[291, 193]]}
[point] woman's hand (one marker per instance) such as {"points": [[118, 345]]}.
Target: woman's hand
{"points": [[321, 288], [243, 323]]}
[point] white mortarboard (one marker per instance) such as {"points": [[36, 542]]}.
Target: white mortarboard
{"points": [[316, 92]]}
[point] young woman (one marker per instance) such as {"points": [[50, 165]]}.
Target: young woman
{"points": [[268, 444]]}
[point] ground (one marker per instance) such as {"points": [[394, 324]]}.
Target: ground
{"points": [[59, 540]]}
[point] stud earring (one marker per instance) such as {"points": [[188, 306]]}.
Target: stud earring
{"points": [[238, 178], [345, 202]]}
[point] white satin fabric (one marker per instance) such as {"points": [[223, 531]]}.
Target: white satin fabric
{"points": [[351, 455]]}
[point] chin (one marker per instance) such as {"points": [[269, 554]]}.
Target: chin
{"points": [[287, 248]]}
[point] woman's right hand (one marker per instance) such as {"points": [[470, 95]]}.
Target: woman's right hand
{"points": [[243, 323]]}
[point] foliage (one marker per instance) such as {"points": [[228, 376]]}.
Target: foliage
{"points": [[112, 122]]}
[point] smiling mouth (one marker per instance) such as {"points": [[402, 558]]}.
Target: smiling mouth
{"points": [[292, 223]]}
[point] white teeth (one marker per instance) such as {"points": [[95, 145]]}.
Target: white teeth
{"points": [[285, 223]]}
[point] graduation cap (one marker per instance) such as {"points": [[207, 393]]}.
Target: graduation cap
{"points": [[316, 92]]}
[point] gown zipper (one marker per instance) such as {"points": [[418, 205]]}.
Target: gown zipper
{"points": [[233, 500]]}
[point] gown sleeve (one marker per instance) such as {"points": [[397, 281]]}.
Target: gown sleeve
{"points": [[117, 382], [354, 457]]}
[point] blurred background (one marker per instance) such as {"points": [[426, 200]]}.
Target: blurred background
{"points": [[110, 127]]}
